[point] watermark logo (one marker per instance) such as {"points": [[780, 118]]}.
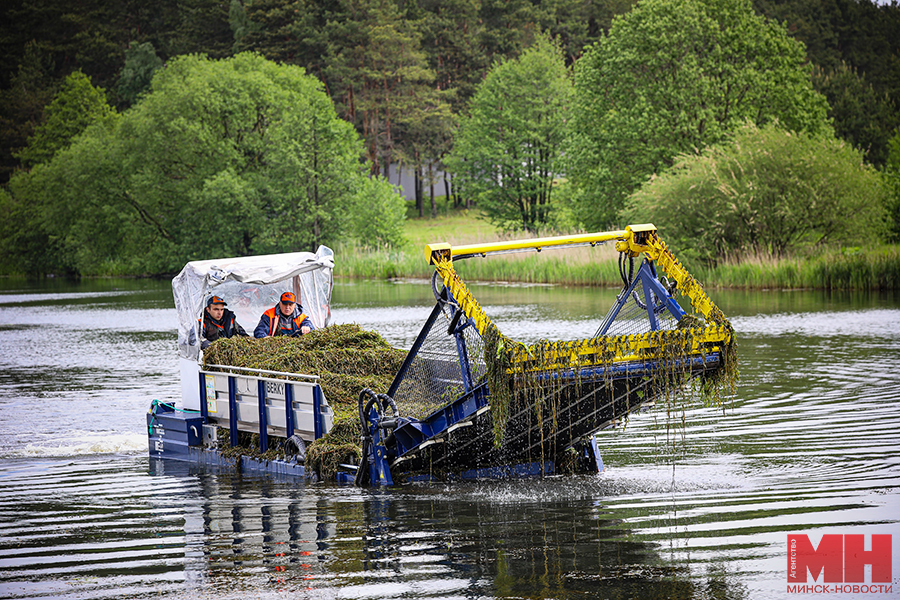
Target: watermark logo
{"points": [[839, 560]]}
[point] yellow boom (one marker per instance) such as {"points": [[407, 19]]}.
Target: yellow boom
{"points": [[634, 240]]}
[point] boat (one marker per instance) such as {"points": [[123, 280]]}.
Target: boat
{"points": [[467, 402]]}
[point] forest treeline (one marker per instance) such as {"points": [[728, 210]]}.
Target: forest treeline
{"points": [[606, 106]]}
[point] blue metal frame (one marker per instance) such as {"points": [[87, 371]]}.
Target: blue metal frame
{"points": [[461, 348], [232, 412], [317, 412], [379, 468], [632, 369], [204, 408], [409, 435], [263, 420], [647, 276], [289, 409]]}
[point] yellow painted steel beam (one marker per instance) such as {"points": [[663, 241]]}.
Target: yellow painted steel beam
{"points": [[446, 251], [634, 239]]}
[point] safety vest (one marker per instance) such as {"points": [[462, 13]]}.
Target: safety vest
{"points": [[273, 313]]}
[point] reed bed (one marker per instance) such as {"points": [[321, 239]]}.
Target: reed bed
{"points": [[837, 269], [568, 266], [876, 268]]}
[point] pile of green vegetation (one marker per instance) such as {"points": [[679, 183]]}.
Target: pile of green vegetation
{"points": [[347, 359]]}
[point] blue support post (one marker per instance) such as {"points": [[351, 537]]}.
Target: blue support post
{"points": [[263, 424], [648, 299], [670, 302], [461, 349], [232, 412], [379, 468], [204, 409], [289, 408], [317, 411]]}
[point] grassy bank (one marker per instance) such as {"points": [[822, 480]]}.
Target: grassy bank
{"points": [[876, 268], [835, 269]]}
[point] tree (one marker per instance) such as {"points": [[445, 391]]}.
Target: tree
{"points": [[426, 132], [221, 158], [270, 27], [24, 246], [141, 62], [677, 77], [764, 191], [22, 106], [892, 174], [860, 115], [509, 149], [77, 105], [377, 73], [450, 34], [864, 34]]}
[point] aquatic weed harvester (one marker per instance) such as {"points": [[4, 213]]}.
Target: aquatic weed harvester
{"points": [[470, 402], [465, 401]]}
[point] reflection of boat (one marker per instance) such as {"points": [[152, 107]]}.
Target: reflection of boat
{"points": [[470, 402], [252, 401]]}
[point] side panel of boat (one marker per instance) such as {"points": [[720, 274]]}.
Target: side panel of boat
{"points": [[172, 433]]}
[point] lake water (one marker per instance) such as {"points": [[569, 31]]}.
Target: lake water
{"points": [[809, 444]]}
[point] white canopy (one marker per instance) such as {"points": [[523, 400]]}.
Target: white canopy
{"points": [[250, 285]]}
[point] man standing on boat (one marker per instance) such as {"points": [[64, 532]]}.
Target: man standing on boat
{"points": [[218, 322], [285, 318]]}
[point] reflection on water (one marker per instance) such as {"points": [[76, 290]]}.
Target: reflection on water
{"points": [[92, 530], [810, 443]]}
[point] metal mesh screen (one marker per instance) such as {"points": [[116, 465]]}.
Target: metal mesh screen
{"points": [[434, 378], [633, 318]]}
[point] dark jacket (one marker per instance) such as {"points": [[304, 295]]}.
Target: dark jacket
{"points": [[212, 329], [272, 322]]}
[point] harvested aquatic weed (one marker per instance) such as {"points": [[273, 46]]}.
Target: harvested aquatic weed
{"points": [[347, 359]]}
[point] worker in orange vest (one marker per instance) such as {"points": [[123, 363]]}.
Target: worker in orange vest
{"points": [[285, 318]]}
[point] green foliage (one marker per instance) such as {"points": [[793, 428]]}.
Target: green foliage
{"points": [[450, 37], [377, 215], [377, 74], [221, 158], [892, 176], [861, 116], [141, 62], [77, 105], [509, 150], [270, 28], [676, 77], [855, 47], [71, 202], [22, 105], [765, 192], [25, 250], [849, 268], [860, 33]]}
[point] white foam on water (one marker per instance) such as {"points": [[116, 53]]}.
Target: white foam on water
{"points": [[83, 444]]}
